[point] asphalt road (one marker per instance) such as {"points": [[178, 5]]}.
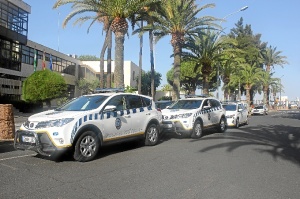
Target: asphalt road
{"points": [[260, 160]]}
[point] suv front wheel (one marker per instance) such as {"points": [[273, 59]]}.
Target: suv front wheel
{"points": [[87, 147], [197, 130]]}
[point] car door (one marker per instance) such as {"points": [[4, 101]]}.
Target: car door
{"points": [[215, 111], [139, 114], [206, 111], [116, 123]]}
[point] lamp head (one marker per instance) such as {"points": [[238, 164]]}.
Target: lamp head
{"points": [[244, 8]]}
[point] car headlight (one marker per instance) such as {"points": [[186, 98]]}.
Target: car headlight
{"points": [[54, 123], [179, 116]]}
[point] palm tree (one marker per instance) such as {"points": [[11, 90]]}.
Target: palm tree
{"points": [[250, 75], [178, 19], [207, 50], [85, 6], [145, 15], [119, 11], [271, 57]]}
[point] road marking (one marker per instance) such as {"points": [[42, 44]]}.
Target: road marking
{"points": [[21, 156], [13, 168]]}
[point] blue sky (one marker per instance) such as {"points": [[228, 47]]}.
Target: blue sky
{"points": [[277, 21]]}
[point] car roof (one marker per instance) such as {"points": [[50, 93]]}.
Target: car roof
{"points": [[118, 93]]}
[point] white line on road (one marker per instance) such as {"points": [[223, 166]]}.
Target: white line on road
{"points": [[13, 168], [21, 156]]}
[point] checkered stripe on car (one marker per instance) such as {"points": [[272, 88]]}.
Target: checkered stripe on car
{"points": [[103, 116], [201, 112]]}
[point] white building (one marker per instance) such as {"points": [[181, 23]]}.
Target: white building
{"points": [[131, 71]]}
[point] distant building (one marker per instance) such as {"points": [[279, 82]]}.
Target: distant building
{"points": [[131, 70]]}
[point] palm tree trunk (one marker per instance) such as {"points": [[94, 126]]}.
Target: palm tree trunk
{"points": [[176, 75], [119, 60], [104, 47], [265, 99], [205, 85], [108, 75], [248, 95], [152, 64], [140, 62]]}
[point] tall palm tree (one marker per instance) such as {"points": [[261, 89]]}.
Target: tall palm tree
{"points": [[121, 11], [85, 6], [178, 18], [117, 10], [271, 57], [145, 15]]}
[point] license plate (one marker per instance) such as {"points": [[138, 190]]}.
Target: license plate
{"points": [[28, 139]]}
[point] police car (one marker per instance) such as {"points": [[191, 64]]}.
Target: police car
{"points": [[190, 116], [236, 114], [86, 123]]}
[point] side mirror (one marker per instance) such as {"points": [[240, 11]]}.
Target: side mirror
{"points": [[206, 107], [240, 110], [110, 108]]}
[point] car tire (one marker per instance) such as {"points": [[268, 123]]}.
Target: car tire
{"points": [[152, 135], [197, 130], [237, 123], [86, 147], [222, 125]]}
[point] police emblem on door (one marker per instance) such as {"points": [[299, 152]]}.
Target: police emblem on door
{"points": [[118, 123]]}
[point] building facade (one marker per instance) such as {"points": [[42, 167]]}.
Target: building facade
{"points": [[17, 56]]}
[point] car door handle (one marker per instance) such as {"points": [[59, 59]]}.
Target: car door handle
{"points": [[148, 113], [127, 116]]}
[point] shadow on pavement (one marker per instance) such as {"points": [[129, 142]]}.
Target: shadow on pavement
{"points": [[6, 146], [282, 141]]}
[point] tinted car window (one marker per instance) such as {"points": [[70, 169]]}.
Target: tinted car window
{"points": [[214, 103], [134, 101], [119, 101], [146, 101]]}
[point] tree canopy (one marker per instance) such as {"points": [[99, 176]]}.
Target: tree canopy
{"points": [[43, 86]]}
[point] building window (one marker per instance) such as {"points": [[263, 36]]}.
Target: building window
{"points": [[133, 75], [10, 55], [13, 18]]}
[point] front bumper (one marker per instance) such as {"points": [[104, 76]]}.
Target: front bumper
{"points": [[231, 121], [175, 127], [38, 142], [258, 113]]}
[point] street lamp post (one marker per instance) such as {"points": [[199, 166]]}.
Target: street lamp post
{"points": [[218, 70]]}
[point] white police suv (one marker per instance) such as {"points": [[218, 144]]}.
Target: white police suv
{"points": [[188, 117], [85, 123], [236, 114]]}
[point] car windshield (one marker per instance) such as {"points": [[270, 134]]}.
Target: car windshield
{"points": [[83, 103], [163, 105], [229, 107], [186, 104]]}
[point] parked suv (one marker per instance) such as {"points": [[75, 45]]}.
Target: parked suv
{"points": [[190, 116], [260, 110], [88, 122], [236, 114]]}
